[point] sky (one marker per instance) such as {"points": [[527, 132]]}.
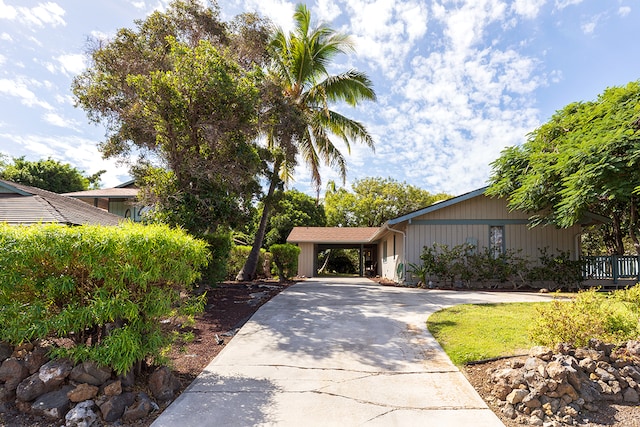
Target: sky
{"points": [[457, 81]]}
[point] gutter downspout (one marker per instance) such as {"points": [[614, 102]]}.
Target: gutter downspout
{"points": [[404, 249]]}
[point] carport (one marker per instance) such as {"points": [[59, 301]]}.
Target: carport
{"points": [[313, 240]]}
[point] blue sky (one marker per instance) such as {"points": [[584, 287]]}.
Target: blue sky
{"points": [[457, 81]]}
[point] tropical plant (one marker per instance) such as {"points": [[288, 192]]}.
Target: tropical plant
{"points": [[300, 122], [48, 174], [285, 257]]}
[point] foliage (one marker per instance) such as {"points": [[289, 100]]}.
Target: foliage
{"points": [[48, 174], [292, 209], [590, 315], [180, 90], [219, 244], [299, 120], [585, 159], [285, 257], [464, 265], [238, 257], [374, 201], [107, 288], [340, 261], [471, 332]]}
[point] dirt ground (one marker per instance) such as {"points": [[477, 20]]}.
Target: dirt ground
{"points": [[230, 305]]}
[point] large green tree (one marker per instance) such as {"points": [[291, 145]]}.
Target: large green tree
{"points": [[374, 201], [585, 158], [179, 97], [292, 209], [48, 174], [300, 122]]}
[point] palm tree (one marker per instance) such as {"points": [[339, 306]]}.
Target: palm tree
{"points": [[299, 122]]}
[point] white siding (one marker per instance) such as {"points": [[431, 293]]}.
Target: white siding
{"points": [[306, 260], [391, 266]]}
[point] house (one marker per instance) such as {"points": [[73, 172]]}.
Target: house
{"points": [[120, 200], [22, 204], [471, 218]]}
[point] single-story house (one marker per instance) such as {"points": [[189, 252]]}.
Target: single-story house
{"points": [[120, 200], [471, 218], [22, 204]]}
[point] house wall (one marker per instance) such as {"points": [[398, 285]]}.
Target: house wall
{"points": [[469, 221], [306, 260], [390, 256], [121, 206]]}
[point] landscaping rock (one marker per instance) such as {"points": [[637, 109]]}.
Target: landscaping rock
{"points": [[163, 384], [12, 372], [82, 415], [113, 408], [83, 392], [31, 388], [127, 380], [5, 351], [631, 396], [54, 404], [113, 389], [140, 409], [37, 358], [54, 373], [90, 373]]}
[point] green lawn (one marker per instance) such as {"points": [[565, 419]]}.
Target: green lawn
{"points": [[472, 332]]}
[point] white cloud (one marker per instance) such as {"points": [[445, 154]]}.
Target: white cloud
{"points": [[19, 89], [589, 27], [326, 10], [72, 64], [49, 13], [624, 10], [5, 36], [56, 120], [3, 59], [561, 4], [528, 8]]}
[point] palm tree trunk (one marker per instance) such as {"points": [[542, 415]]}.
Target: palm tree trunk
{"points": [[248, 271]]}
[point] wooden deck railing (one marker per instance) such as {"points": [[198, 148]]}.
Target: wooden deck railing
{"points": [[611, 267]]}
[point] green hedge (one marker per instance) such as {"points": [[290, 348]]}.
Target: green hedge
{"points": [[285, 257], [106, 288], [239, 255]]}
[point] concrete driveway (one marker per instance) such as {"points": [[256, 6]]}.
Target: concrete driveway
{"points": [[338, 352]]}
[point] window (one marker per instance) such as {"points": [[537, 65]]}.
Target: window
{"points": [[384, 251], [496, 240]]}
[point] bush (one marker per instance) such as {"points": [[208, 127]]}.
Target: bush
{"points": [[106, 288], [606, 317], [559, 270], [285, 257], [239, 255], [219, 245]]}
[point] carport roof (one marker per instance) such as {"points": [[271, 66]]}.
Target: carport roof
{"points": [[332, 234]]}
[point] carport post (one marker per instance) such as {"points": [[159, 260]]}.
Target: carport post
{"points": [[360, 259]]}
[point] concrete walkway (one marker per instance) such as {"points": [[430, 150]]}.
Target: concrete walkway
{"points": [[344, 352]]}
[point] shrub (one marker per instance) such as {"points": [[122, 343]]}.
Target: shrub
{"points": [[285, 257], [239, 255], [106, 288], [589, 315], [559, 270], [219, 245]]}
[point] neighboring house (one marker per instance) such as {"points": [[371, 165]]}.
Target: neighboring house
{"points": [[120, 200], [22, 204], [471, 218]]}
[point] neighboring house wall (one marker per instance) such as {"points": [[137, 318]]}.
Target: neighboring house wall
{"points": [[125, 208], [306, 261]]}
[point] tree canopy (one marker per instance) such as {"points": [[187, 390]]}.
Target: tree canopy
{"points": [[48, 174], [179, 95], [373, 201], [586, 158]]}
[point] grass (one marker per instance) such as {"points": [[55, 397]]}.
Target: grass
{"points": [[471, 332]]}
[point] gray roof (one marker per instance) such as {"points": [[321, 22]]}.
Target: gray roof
{"points": [[22, 204]]}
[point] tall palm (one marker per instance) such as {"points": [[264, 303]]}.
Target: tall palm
{"points": [[299, 122]]}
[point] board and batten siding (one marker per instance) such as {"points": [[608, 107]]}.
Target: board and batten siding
{"points": [[469, 222], [306, 260], [388, 266]]}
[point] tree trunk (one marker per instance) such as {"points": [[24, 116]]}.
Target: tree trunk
{"points": [[633, 219], [248, 271]]}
